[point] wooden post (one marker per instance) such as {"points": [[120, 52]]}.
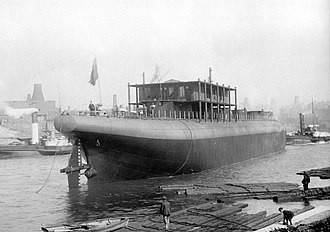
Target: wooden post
{"points": [[137, 96], [218, 100], [129, 99], [199, 101], [210, 75], [224, 103], [229, 113], [143, 90], [205, 99], [236, 116], [211, 99]]}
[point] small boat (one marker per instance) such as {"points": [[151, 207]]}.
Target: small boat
{"points": [[100, 225], [64, 150], [52, 144]]}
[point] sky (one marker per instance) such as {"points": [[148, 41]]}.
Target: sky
{"points": [[268, 49]]}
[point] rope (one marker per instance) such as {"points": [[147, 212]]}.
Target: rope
{"points": [[50, 171], [190, 147]]}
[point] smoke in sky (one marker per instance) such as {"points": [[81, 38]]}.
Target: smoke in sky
{"points": [[15, 113]]}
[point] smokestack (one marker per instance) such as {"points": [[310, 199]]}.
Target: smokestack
{"points": [[114, 103], [37, 93], [302, 123], [35, 129]]}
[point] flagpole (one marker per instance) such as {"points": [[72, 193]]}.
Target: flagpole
{"points": [[100, 91], [99, 85], [95, 77]]}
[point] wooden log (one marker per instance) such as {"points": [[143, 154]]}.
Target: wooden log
{"points": [[247, 217], [174, 187], [228, 211], [305, 209], [220, 213], [256, 218], [269, 220]]}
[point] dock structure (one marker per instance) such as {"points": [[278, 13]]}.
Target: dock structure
{"points": [[214, 217], [277, 191], [222, 212]]}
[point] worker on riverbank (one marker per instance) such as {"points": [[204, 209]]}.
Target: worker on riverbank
{"points": [[305, 181], [287, 216], [165, 211]]}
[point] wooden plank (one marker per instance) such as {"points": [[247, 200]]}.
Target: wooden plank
{"points": [[271, 219], [257, 217]]}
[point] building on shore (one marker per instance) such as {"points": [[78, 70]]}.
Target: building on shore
{"points": [[20, 120], [46, 108]]}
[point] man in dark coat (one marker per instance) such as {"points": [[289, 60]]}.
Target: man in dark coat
{"points": [[287, 216], [305, 181], [91, 107], [165, 211]]}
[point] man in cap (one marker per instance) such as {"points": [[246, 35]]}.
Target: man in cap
{"points": [[287, 216], [165, 211]]}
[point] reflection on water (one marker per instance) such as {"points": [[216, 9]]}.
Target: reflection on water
{"points": [[23, 175]]}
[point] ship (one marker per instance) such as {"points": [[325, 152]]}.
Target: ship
{"points": [[168, 129], [307, 133]]}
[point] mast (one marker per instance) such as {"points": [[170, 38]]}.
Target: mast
{"points": [[100, 92]]}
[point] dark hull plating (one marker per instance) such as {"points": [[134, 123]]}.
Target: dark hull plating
{"points": [[120, 148]]}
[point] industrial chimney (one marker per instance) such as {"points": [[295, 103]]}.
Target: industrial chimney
{"points": [[114, 102], [37, 93], [35, 128]]}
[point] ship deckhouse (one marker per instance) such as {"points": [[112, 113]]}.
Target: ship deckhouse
{"points": [[192, 100]]}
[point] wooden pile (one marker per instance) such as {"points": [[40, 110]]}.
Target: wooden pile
{"points": [[230, 190], [279, 192], [322, 173], [214, 217]]}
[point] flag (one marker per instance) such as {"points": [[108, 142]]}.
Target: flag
{"points": [[94, 74]]}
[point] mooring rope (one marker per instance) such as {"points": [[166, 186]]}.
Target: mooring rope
{"points": [[50, 171], [190, 147]]}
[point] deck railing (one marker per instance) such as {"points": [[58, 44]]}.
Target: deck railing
{"points": [[187, 115]]}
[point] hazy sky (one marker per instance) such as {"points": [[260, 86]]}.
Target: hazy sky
{"points": [[266, 48]]}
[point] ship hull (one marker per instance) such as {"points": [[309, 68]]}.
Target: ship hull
{"points": [[122, 148]]}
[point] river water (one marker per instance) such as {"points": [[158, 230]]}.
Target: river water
{"points": [[34, 192]]}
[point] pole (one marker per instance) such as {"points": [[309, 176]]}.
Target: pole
{"points": [[229, 113], [199, 101], [236, 116], [100, 91], [129, 98]]}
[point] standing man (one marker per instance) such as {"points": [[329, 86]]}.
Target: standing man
{"points": [[305, 181], [287, 216], [91, 108], [165, 211]]}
